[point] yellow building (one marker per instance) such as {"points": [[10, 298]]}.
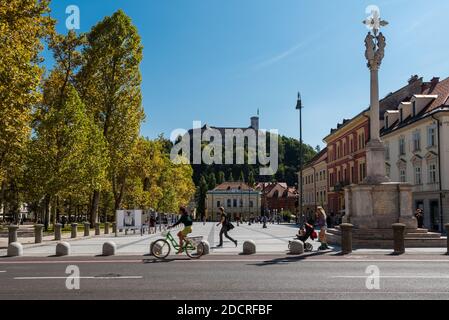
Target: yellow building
{"points": [[238, 199]]}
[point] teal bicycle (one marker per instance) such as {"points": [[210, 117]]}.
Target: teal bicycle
{"points": [[193, 246]]}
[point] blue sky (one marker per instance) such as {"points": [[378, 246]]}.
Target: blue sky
{"points": [[218, 61]]}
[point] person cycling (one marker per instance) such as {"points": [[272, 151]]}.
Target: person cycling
{"points": [[185, 219]]}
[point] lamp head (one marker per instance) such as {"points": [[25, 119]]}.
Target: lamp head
{"points": [[299, 102]]}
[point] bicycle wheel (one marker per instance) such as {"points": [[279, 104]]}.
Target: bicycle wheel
{"points": [[194, 251], [160, 249]]}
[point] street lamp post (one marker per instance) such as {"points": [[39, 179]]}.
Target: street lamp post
{"points": [[299, 107]]}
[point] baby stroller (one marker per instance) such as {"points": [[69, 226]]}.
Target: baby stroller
{"points": [[308, 233]]}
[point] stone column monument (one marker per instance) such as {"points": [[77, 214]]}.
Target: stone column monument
{"points": [[375, 150], [377, 203]]}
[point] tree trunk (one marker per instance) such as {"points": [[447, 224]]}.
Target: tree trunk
{"points": [[14, 202], [70, 210], [119, 197], [47, 211], [2, 197], [94, 207]]}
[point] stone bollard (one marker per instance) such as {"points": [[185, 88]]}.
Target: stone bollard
{"points": [[74, 230], [38, 233], [12, 233], [399, 238], [15, 249], [206, 247], [58, 230], [97, 228], [249, 247], [62, 249], [109, 248], [86, 229], [447, 234], [346, 238], [114, 227], [296, 247], [106, 228]]}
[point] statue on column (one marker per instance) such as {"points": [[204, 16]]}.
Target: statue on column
{"points": [[375, 42], [375, 50]]}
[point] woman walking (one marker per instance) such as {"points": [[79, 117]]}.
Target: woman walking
{"points": [[225, 227], [320, 216]]}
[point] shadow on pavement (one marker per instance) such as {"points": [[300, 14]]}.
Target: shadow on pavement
{"points": [[291, 259], [155, 260]]}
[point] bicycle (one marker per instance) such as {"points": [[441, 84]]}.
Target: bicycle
{"points": [[193, 246]]}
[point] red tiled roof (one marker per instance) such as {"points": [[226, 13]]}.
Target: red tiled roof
{"points": [[442, 90], [232, 186]]}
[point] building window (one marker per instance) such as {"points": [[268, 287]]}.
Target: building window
{"points": [[351, 144], [431, 137], [386, 122], [362, 171], [229, 204], [218, 204], [402, 175], [432, 173], [418, 175], [251, 204], [388, 171], [241, 203], [235, 203], [361, 140], [416, 141], [402, 146]]}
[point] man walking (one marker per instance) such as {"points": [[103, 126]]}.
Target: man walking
{"points": [[225, 227]]}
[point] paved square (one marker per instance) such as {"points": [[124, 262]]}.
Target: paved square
{"points": [[273, 239]]}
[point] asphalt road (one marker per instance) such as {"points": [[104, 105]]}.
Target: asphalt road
{"points": [[228, 278]]}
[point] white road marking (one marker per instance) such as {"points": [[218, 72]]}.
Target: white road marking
{"points": [[2, 271], [305, 292], [395, 277], [93, 278]]}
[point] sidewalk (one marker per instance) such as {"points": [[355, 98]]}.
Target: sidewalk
{"points": [[273, 240]]}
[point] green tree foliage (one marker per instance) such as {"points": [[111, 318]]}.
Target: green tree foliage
{"points": [[251, 179], [70, 142], [242, 177], [23, 26], [110, 85], [201, 197], [221, 177], [212, 182], [289, 156]]}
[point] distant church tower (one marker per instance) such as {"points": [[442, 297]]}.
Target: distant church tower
{"points": [[255, 121]]}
